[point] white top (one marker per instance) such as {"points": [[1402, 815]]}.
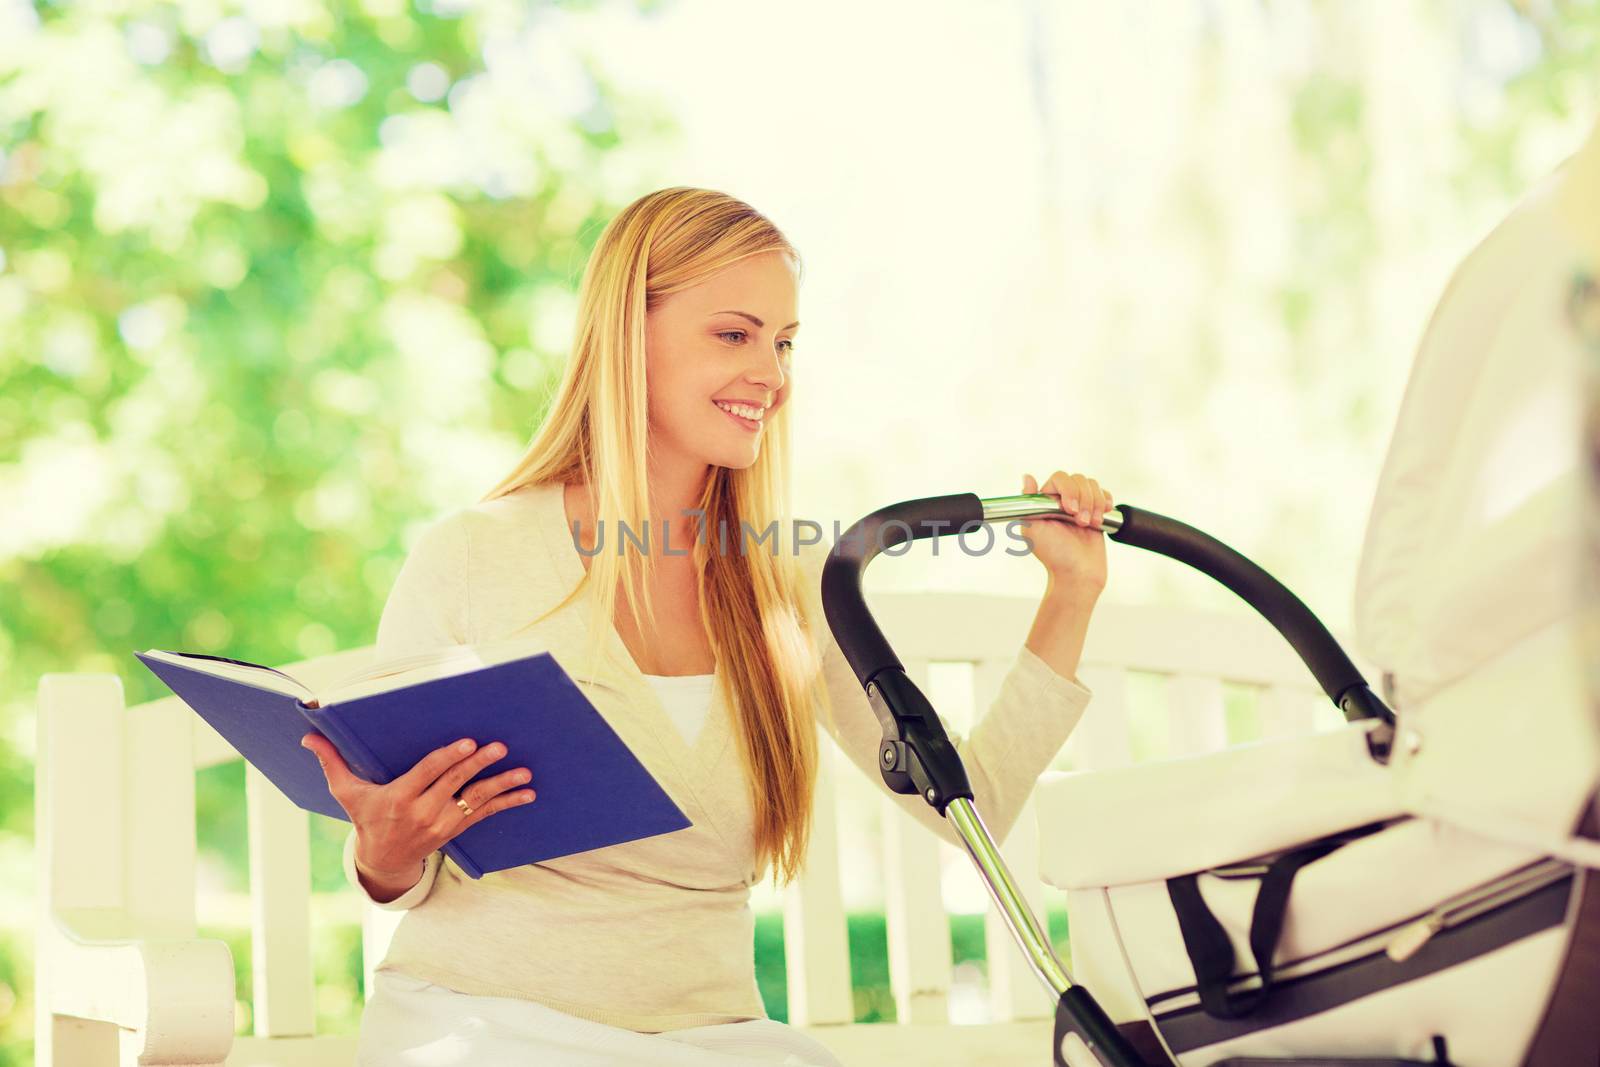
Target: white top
{"points": [[687, 699]]}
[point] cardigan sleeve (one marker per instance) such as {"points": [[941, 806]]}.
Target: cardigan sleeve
{"points": [[428, 606], [1007, 749], [405, 901]]}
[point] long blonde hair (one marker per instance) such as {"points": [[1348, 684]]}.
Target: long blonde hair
{"points": [[752, 604]]}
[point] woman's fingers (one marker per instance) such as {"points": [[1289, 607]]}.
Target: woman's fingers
{"points": [[494, 804], [1098, 496], [1052, 486], [1068, 488], [1083, 501], [416, 781], [1089, 497], [479, 794], [1029, 486], [444, 790]]}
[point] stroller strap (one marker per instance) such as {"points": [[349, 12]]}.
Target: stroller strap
{"points": [[1211, 950], [1301, 997]]}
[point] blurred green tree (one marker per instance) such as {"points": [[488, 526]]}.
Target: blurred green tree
{"points": [[270, 278]]}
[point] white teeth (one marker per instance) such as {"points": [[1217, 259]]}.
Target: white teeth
{"points": [[753, 414]]}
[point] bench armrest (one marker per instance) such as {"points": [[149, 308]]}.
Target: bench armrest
{"points": [[176, 994]]}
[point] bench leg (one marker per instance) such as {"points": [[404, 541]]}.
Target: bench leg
{"points": [[131, 1054], [72, 1040]]}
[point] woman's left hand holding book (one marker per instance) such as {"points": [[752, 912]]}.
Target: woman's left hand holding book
{"points": [[399, 824]]}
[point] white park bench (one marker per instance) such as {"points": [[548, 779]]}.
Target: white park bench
{"points": [[121, 977]]}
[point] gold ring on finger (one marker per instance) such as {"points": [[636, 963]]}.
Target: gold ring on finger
{"points": [[462, 804]]}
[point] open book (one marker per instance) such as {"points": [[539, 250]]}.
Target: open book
{"points": [[592, 790]]}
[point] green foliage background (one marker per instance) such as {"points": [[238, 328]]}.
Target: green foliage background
{"points": [[263, 292], [233, 312]]}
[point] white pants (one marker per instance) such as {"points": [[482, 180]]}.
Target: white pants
{"points": [[412, 1023]]}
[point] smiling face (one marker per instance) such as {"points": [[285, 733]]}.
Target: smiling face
{"points": [[717, 362]]}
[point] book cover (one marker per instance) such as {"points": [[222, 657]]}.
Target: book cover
{"points": [[592, 790]]}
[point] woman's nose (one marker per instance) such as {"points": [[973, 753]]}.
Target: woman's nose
{"points": [[767, 372]]}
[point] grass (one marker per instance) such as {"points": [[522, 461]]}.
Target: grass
{"points": [[868, 938]]}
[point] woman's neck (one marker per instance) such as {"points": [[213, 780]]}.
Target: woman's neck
{"points": [[674, 490], [668, 500]]}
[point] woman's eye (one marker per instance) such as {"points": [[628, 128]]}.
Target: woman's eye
{"points": [[741, 333]]}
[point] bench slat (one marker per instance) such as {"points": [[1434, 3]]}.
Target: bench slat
{"points": [[815, 947], [280, 894], [1196, 718], [1101, 739], [914, 914], [1288, 710]]}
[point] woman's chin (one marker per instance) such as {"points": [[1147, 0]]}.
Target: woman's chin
{"points": [[736, 459]]}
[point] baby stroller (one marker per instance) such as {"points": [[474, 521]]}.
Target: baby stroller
{"points": [[1419, 886]]}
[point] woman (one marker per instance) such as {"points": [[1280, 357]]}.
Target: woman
{"points": [[712, 666]]}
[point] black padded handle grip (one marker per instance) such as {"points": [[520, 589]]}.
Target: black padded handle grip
{"points": [[1303, 630], [844, 605]]}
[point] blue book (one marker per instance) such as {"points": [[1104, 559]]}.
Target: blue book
{"points": [[592, 790]]}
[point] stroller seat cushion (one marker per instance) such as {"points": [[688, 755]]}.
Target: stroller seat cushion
{"points": [[1153, 821], [1335, 901]]}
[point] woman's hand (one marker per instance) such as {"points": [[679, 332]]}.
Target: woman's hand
{"points": [[1071, 547], [399, 824]]}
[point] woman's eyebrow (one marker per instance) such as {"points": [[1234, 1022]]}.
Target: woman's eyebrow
{"points": [[753, 319]]}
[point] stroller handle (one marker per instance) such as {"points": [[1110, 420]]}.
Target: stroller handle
{"points": [[868, 652]]}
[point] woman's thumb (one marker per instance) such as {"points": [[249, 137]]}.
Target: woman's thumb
{"points": [[332, 763]]}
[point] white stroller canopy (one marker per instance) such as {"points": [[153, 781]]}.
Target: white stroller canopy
{"points": [[1469, 598], [1474, 539], [1475, 547]]}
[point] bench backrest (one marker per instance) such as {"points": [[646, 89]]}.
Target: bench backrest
{"points": [[121, 785]]}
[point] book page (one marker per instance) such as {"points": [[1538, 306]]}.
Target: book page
{"points": [[381, 677], [239, 670], [442, 662]]}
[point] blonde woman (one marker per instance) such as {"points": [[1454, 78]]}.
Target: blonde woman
{"points": [[711, 661]]}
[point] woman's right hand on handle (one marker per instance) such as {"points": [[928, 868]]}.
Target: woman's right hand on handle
{"points": [[399, 824]]}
